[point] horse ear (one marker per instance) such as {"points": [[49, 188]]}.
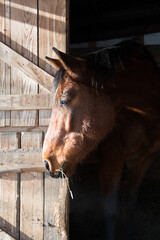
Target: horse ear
{"points": [[55, 62], [71, 64]]}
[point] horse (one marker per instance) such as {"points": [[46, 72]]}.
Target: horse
{"points": [[108, 99]]}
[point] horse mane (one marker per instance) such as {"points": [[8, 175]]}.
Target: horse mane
{"points": [[109, 56], [57, 79], [105, 61]]}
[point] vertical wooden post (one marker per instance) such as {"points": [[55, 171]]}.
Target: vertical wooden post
{"points": [[53, 32], [56, 209]]}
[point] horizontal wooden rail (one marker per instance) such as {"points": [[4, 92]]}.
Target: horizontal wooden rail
{"points": [[24, 129], [5, 236], [16, 60], [20, 159], [26, 170], [26, 102]]}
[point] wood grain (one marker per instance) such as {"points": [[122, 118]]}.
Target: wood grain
{"points": [[15, 159], [52, 33], [24, 129], [27, 43], [8, 141], [56, 214], [7, 67], [2, 64], [31, 141], [22, 64], [5, 236], [31, 216], [24, 42], [24, 170], [9, 197], [25, 101]]}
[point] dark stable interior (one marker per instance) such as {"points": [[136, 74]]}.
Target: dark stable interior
{"points": [[90, 21], [86, 210], [94, 20]]}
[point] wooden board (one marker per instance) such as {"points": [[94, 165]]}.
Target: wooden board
{"points": [[31, 210], [6, 140], [9, 141], [24, 129], [9, 203], [26, 101], [5, 236], [17, 61], [52, 33], [24, 42], [18, 24], [4, 68], [56, 214], [31, 141], [16, 159]]}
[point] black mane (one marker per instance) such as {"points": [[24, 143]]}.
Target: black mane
{"points": [[105, 61], [57, 79], [107, 58]]}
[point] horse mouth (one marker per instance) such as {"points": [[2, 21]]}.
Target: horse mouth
{"points": [[60, 173]]}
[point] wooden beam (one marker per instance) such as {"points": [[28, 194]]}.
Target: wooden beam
{"points": [[24, 129], [24, 170], [31, 215], [56, 217], [20, 158], [5, 236], [25, 102], [15, 60]]}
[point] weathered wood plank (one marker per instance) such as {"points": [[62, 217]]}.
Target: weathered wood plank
{"points": [[7, 67], [8, 141], [24, 35], [24, 129], [52, 33], [31, 225], [26, 101], [9, 201], [20, 158], [24, 42], [5, 236], [2, 64], [31, 141], [56, 218], [24, 170], [16, 60]]}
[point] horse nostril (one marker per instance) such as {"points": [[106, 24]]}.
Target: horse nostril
{"points": [[46, 164]]}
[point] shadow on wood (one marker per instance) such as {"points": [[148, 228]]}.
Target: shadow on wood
{"points": [[9, 229], [20, 13]]}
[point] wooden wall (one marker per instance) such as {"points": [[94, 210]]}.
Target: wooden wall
{"points": [[32, 205]]}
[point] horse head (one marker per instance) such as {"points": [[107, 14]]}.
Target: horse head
{"points": [[81, 117]]}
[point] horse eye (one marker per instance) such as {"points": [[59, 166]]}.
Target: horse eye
{"points": [[64, 102]]}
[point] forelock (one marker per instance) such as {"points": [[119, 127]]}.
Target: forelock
{"points": [[57, 79]]}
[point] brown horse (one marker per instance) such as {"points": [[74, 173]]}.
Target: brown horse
{"points": [[108, 99]]}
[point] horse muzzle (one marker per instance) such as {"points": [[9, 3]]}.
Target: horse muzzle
{"points": [[58, 172]]}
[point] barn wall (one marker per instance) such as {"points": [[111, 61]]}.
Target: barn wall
{"points": [[28, 199]]}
